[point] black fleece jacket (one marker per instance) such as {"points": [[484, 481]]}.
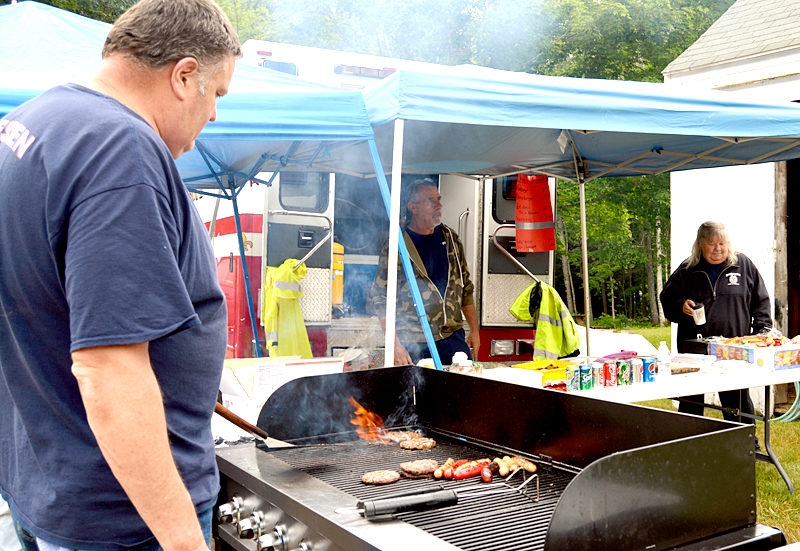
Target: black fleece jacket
{"points": [[736, 305]]}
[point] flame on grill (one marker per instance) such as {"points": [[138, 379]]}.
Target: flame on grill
{"points": [[369, 425]]}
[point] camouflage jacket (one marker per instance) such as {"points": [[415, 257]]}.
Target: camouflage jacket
{"points": [[444, 313]]}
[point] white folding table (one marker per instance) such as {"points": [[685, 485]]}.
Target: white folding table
{"points": [[713, 377]]}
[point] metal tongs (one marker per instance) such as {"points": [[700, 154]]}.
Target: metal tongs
{"points": [[432, 498]]}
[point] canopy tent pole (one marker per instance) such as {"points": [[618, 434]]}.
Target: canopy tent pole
{"points": [[248, 291], [579, 166], [397, 245], [394, 233], [585, 262]]}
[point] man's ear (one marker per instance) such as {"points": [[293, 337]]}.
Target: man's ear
{"points": [[182, 75]]}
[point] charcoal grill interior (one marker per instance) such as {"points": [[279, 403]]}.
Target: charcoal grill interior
{"points": [[612, 476]]}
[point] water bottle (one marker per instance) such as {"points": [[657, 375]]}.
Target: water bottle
{"points": [[663, 359]]}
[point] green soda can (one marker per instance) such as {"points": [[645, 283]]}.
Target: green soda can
{"points": [[587, 377], [623, 373]]}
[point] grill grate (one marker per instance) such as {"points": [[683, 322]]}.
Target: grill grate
{"points": [[505, 521]]}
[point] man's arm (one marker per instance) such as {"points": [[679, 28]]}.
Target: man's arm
{"points": [[125, 412], [473, 339], [401, 355]]}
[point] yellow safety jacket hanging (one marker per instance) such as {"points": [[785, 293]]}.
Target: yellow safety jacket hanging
{"points": [[282, 317], [556, 332]]}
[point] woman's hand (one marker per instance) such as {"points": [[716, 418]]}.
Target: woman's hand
{"points": [[688, 307]]}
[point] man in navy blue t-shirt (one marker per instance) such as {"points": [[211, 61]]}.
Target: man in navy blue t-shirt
{"points": [[112, 322]]}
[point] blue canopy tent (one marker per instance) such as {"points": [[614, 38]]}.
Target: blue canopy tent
{"points": [[272, 122], [269, 121], [486, 122]]}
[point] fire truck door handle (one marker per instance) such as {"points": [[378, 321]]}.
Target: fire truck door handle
{"points": [[230, 263], [508, 254], [305, 239], [462, 232]]}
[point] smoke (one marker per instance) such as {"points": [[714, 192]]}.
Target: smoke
{"points": [[503, 34]]}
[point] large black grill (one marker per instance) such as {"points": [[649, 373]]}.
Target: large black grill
{"points": [[611, 476]]}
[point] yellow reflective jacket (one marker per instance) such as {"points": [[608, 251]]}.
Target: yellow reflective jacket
{"points": [[556, 332], [282, 317]]}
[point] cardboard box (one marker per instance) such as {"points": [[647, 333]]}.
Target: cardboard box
{"points": [[773, 357], [552, 372]]}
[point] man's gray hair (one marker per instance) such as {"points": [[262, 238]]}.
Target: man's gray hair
{"points": [[707, 231], [157, 33]]}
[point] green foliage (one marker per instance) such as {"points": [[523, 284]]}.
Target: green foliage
{"points": [[604, 321], [102, 10], [250, 18]]}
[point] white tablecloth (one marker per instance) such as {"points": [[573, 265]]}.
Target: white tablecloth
{"points": [[715, 377]]}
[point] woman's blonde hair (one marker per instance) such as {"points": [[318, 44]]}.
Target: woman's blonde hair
{"points": [[705, 232]]}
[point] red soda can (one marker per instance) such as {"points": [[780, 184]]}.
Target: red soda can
{"points": [[610, 373]]}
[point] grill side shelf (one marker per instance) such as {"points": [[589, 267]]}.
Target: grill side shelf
{"points": [[660, 496]]}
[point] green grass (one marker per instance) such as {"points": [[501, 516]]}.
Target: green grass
{"points": [[775, 506], [654, 334]]}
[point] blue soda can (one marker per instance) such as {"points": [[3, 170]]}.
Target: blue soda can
{"points": [[587, 377], [648, 370], [573, 379]]}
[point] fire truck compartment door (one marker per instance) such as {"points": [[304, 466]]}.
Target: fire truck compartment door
{"points": [[295, 241]]}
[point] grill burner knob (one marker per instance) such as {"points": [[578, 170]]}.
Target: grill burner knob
{"points": [[228, 512], [273, 541], [250, 527]]}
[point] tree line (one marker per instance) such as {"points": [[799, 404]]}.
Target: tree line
{"points": [[628, 218]]}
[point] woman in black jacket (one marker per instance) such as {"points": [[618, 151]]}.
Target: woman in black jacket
{"points": [[733, 295]]}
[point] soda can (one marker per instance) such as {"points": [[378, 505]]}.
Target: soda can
{"points": [[597, 375], [610, 374], [573, 379], [649, 370], [637, 369], [587, 377], [623, 373]]}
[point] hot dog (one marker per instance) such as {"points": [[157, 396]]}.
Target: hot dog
{"points": [[517, 462], [439, 473], [488, 471], [503, 471], [470, 468], [450, 469]]}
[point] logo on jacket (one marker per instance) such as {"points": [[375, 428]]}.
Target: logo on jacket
{"points": [[733, 278]]}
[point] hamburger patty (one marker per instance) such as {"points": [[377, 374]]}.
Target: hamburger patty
{"points": [[420, 467], [400, 435], [418, 444], [380, 477]]}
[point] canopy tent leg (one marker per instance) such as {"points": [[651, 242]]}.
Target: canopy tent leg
{"points": [[396, 245], [585, 263], [245, 272], [579, 166]]}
